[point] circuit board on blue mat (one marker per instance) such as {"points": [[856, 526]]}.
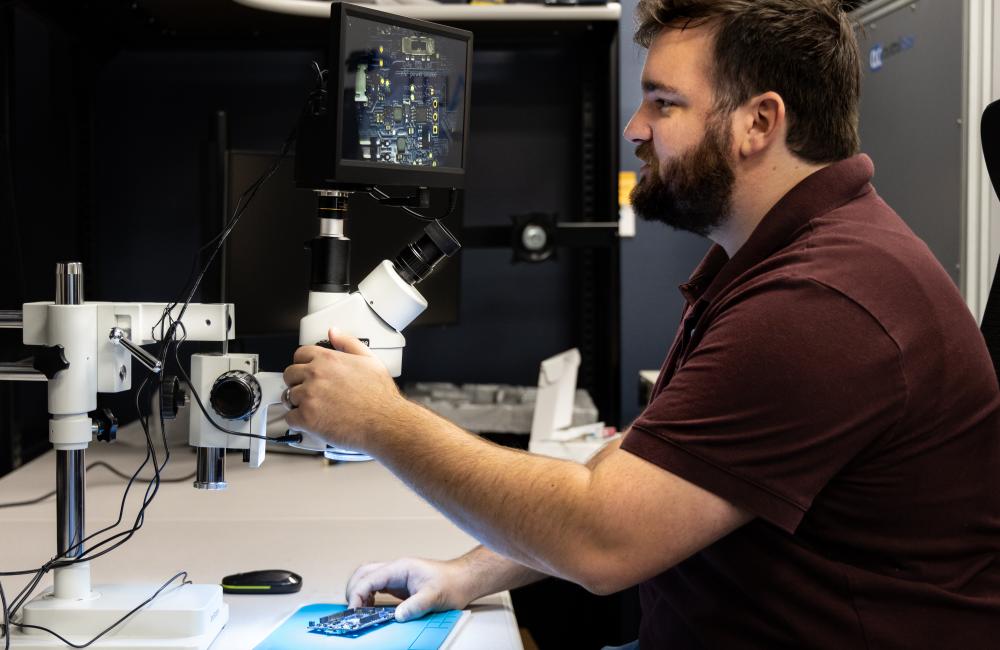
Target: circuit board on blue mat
{"points": [[430, 632], [352, 622]]}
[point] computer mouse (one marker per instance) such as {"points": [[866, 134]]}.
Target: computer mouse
{"points": [[267, 581]]}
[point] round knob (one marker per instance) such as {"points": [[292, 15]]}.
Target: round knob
{"points": [[534, 238], [172, 397], [104, 424], [235, 395]]}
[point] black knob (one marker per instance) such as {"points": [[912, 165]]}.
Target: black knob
{"points": [[50, 361], [235, 395], [172, 397], [106, 424]]}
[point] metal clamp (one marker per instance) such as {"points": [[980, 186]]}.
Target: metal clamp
{"points": [[151, 363]]}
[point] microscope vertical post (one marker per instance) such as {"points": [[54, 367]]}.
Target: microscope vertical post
{"points": [[71, 328], [71, 476]]}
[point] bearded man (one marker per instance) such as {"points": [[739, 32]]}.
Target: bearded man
{"points": [[819, 465]]}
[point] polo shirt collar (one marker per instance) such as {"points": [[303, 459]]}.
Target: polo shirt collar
{"points": [[817, 194]]}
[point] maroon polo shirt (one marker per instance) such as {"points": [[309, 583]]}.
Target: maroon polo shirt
{"points": [[830, 380]]}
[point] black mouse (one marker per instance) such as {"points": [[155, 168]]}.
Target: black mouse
{"points": [[267, 581]]}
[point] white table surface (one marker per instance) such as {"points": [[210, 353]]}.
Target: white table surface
{"points": [[295, 512]]}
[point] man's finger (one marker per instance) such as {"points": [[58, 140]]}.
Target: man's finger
{"points": [[347, 343], [382, 578], [294, 375], [306, 353], [358, 574], [416, 605], [294, 420], [362, 587], [363, 591]]}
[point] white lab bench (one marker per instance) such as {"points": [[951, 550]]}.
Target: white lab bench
{"points": [[295, 512]]}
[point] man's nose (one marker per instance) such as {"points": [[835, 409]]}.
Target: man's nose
{"points": [[637, 131]]}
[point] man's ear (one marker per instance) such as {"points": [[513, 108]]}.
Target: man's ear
{"points": [[761, 123]]}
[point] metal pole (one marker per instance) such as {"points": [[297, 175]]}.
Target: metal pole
{"points": [[69, 283], [11, 319], [20, 372], [71, 484], [211, 467], [71, 477]]}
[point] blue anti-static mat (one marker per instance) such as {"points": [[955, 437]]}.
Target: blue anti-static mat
{"points": [[427, 633]]}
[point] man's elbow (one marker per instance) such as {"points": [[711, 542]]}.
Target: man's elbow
{"points": [[605, 586], [604, 583], [610, 572]]}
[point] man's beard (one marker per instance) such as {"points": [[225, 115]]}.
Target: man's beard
{"points": [[694, 192]]}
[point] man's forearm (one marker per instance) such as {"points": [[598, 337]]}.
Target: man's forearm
{"points": [[536, 510], [493, 573]]}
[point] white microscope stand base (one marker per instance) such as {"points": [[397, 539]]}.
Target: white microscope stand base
{"points": [[188, 617]]}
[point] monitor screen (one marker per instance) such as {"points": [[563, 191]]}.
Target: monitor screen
{"points": [[403, 92], [395, 107]]}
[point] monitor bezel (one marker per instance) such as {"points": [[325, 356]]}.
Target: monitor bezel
{"points": [[355, 172]]}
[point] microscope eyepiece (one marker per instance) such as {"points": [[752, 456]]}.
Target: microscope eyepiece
{"points": [[418, 258]]}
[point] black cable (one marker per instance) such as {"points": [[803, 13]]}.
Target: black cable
{"points": [[123, 475], [151, 489], [3, 628], [121, 620], [248, 195], [99, 463], [28, 502]]}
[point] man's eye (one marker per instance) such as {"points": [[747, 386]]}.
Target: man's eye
{"points": [[664, 104]]}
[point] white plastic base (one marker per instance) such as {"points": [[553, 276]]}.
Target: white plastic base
{"points": [[188, 617]]}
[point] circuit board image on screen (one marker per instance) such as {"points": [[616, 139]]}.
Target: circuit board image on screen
{"points": [[403, 92]]}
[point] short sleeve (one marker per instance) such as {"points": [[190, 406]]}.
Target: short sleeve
{"points": [[790, 380]]}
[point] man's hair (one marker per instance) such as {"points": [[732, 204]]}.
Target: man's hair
{"points": [[804, 50]]}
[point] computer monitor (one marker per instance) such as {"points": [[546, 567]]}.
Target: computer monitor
{"points": [[395, 111]]}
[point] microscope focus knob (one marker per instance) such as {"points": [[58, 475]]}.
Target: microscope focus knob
{"points": [[235, 395], [50, 361], [172, 397]]}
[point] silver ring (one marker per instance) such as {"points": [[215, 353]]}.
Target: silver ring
{"points": [[284, 399]]}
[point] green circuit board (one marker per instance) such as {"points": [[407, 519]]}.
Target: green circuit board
{"points": [[406, 89]]}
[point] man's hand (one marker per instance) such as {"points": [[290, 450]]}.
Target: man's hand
{"points": [[344, 395], [425, 586]]}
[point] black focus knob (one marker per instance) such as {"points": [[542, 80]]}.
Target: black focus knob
{"points": [[235, 395], [50, 361], [105, 424], [172, 397]]}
